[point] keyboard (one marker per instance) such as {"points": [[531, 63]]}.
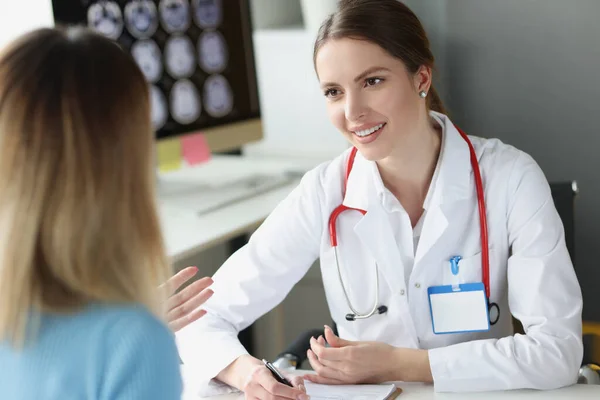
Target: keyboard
{"points": [[204, 197]]}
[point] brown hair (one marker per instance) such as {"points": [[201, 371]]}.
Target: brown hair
{"points": [[387, 23], [78, 221]]}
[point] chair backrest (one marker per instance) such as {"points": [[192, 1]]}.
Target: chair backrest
{"points": [[564, 194]]}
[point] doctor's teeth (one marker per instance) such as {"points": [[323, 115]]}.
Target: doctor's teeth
{"points": [[369, 131]]}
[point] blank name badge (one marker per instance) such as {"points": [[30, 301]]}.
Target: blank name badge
{"points": [[459, 308]]}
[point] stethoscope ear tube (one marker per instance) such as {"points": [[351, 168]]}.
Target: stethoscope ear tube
{"points": [[355, 314]]}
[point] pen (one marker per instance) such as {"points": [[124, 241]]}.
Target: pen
{"points": [[276, 374]]}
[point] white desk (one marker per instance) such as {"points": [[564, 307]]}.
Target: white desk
{"points": [[425, 392], [187, 233], [412, 391], [420, 391]]}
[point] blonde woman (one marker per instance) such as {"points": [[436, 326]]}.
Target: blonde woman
{"points": [[81, 253]]}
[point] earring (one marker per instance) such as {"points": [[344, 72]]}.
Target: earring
{"points": [[423, 94]]}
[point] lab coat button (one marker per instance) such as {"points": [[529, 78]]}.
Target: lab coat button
{"points": [[401, 292], [417, 285]]}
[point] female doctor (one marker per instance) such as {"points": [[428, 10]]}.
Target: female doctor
{"points": [[428, 240]]}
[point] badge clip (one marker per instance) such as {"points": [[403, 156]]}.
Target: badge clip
{"points": [[455, 269]]}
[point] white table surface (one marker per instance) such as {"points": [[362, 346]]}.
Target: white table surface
{"points": [[187, 233], [420, 391], [416, 391]]}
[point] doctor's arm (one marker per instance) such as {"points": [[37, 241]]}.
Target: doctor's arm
{"points": [[543, 293], [250, 283]]}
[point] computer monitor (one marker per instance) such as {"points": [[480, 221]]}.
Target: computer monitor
{"points": [[197, 56]]}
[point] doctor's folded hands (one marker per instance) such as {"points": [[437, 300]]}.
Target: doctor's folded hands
{"points": [[430, 240]]}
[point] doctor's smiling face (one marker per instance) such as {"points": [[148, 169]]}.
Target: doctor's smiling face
{"points": [[371, 96], [374, 66]]}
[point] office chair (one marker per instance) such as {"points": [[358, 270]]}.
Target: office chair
{"points": [[564, 194]]}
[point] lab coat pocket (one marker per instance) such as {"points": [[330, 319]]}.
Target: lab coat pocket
{"points": [[469, 270]]}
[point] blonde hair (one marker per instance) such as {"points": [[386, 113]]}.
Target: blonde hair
{"points": [[78, 221]]}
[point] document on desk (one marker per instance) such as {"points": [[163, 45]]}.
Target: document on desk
{"points": [[351, 392]]}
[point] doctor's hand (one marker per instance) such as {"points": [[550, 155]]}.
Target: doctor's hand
{"points": [[347, 362], [251, 376], [183, 307]]}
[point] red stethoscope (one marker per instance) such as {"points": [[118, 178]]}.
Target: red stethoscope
{"points": [[485, 258]]}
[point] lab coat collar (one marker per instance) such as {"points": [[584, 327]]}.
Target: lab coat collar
{"points": [[455, 174], [452, 183]]}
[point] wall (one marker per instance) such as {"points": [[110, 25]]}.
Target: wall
{"points": [[433, 16], [293, 108], [17, 17], [268, 14], [526, 72]]}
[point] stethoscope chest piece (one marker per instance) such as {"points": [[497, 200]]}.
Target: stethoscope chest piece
{"points": [[353, 317]]}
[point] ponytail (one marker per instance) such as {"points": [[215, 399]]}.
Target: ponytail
{"points": [[434, 102]]}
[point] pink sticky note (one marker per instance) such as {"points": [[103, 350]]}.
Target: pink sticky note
{"points": [[195, 149]]}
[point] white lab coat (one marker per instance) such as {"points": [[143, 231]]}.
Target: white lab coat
{"points": [[530, 270]]}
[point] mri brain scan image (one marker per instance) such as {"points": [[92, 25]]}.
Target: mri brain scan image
{"points": [[141, 18], [105, 18], [207, 13], [174, 15], [218, 97], [148, 57], [180, 57], [196, 56], [158, 105], [212, 52], [185, 102]]}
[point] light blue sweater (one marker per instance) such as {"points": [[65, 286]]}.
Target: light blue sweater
{"points": [[103, 352]]}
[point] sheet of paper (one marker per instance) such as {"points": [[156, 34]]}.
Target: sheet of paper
{"points": [[349, 392], [168, 154]]}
